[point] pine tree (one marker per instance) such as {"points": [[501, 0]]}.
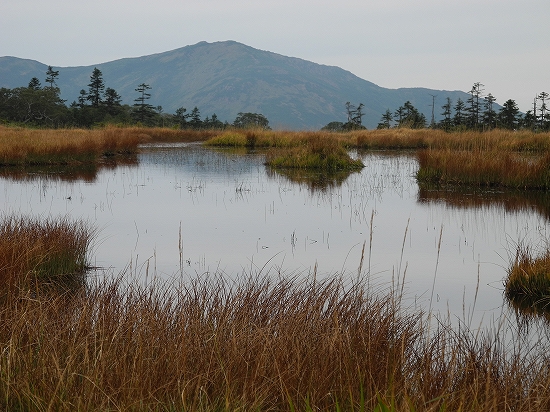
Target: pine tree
{"points": [[489, 114], [51, 76], [143, 111], [447, 123], [96, 88]]}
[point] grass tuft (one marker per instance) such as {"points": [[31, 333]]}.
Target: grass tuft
{"points": [[43, 250], [527, 284]]}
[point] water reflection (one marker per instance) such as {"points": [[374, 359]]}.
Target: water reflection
{"points": [[313, 180], [86, 172], [468, 198]]}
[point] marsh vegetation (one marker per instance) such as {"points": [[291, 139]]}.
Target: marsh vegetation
{"points": [[257, 310]]}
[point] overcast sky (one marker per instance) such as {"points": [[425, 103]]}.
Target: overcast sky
{"points": [[439, 44]]}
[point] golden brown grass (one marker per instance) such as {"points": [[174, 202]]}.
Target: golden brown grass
{"points": [[31, 147], [41, 249], [318, 152], [502, 140], [491, 168], [259, 343], [528, 282]]}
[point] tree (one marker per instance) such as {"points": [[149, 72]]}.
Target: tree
{"points": [[544, 118], [213, 122], [350, 110], [386, 120], [355, 116], [489, 114], [96, 88], [251, 120], [82, 98], [447, 123], [195, 117], [411, 117], [112, 101], [143, 111], [474, 105], [399, 115], [34, 106], [509, 115], [35, 84], [529, 120], [459, 118], [51, 76], [180, 117], [358, 115], [334, 127]]}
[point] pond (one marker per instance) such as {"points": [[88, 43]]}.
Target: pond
{"points": [[180, 210]]}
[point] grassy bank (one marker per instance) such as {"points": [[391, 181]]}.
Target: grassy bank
{"points": [[253, 344], [391, 139], [492, 168], [41, 250], [33, 147]]}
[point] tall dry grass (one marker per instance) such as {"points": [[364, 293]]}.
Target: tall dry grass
{"points": [[258, 343], [41, 249], [492, 168], [319, 152], [527, 283], [497, 139], [38, 146], [385, 139]]}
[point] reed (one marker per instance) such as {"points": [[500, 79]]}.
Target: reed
{"points": [[501, 140], [44, 250], [317, 152], [527, 284], [69, 146], [256, 343], [484, 168]]}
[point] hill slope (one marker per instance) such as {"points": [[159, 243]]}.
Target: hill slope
{"points": [[228, 77]]}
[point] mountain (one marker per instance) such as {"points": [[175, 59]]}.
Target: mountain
{"points": [[229, 77]]}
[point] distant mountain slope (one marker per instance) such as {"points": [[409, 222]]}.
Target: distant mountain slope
{"points": [[228, 77]]}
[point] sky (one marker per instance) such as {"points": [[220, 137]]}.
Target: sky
{"points": [[437, 44]]}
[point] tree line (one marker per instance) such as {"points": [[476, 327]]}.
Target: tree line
{"points": [[478, 112], [42, 106]]}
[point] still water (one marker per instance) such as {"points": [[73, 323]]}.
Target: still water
{"points": [[180, 210]]}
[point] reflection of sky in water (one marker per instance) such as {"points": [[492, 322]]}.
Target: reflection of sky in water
{"points": [[234, 218]]}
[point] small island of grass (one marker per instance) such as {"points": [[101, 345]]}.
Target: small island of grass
{"points": [[528, 283]]}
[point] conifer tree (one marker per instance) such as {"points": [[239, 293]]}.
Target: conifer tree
{"points": [[96, 88]]}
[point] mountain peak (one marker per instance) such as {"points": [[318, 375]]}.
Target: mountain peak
{"points": [[228, 77]]}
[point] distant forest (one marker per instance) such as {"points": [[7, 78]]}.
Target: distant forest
{"points": [[478, 112], [42, 106]]}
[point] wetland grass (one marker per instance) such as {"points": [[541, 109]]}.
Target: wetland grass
{"points": [[527, 285], [492, 168], [392, 139], [318, 152], [255, 343], [42, 250], [20, 146]]}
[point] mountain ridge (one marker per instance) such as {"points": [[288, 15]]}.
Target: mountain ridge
{"points": [[229, 77]]}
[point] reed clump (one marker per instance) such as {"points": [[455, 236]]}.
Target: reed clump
{"points": [[497, 140], [258, 343], [19, 146], [484, 169], [318, 152], [527, 284], [42, 249]]}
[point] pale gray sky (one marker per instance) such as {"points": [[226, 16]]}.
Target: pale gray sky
{"points": [[440, 44]]}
